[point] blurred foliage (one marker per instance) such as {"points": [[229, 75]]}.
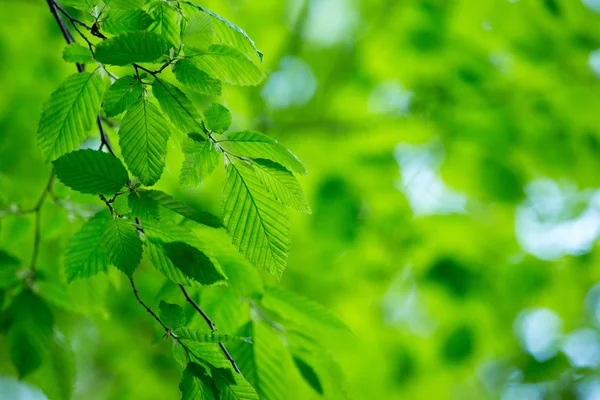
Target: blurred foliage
{"points": [[453, 150]]}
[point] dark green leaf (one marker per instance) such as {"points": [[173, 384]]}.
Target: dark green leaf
{"points": [[193, 263], [143, 206], [232, 386], [122, 245], [9, 266], [171, 314], [91, 171], [131, 47], [182, 209], [308, 374]]}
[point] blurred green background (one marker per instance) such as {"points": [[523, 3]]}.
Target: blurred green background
{"points": [[453, 149]]}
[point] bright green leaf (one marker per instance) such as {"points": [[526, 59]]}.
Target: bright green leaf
{"points": [[218, 118], [143, 206], [143, 139], [166, 23], [198, 32], [131, 47], [195, 79], [121, 21], [257, 223], [228, 65], [177, 106], [195, 384], [124, 93], [69, 114], [84, 256], [258, 145], [281, 183], [76, 53], [125, 4], [232, 386], [201, 159], [91, 171]]}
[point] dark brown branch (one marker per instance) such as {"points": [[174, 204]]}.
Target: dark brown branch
{"points": [[137, 296], [212, 327]]}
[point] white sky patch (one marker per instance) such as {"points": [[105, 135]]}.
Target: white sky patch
{"points": [[539, 331], [421, 182], [542, 228], [331, 22], [582, 347], [390, 97], [594, 61], [593, 5], [294, 84]]}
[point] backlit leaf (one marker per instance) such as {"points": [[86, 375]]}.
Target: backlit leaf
{"points": [[122, 245], [228, 65], [193, 78], [201, 159], [131, 47], [124, 93]]}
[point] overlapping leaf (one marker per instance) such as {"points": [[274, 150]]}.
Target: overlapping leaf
{"points": [[228, 65], [260, 361], [218, 118], [201, 159], [84, 256], [131, 47], [122, 245], [177, 106], [124, 93], [143, 139], [167, 201], [257, 223], [281, 183], [76, 53], [166, 23], [258, 145], [198, 32], [91, 171], [69, 114], [121, 21], [193, 78], [232, 386]]}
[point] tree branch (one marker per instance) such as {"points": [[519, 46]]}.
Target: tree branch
{"points": [[137, 296], [212, 327]]}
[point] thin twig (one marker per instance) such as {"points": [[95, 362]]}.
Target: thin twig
{"points": [[137, 296], [212, 327]]}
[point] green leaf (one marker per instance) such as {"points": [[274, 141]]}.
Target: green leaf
{"points": [[143, 206], [168, 202], [201, 159], [143, 139], [299, 308], [193, 263], [257, 223], [232, 386], [218, 118], [166, 23], [195, 384], [122, 245], [80, 4], [208, 336], [68, 114], [163, 264], [258, 145], [177, 106], [91, 171], [309, 375], [9, 266], [261, 361], [195, 79], [228, 65], [281, 183], [171, 314], [131, 47], [124, 93], [121, 21], [198, 32], [229, 34], [56, 294], [125, 4], [179, 354], [30, 332], [210, 353], [76, 53], [84, 256]]}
